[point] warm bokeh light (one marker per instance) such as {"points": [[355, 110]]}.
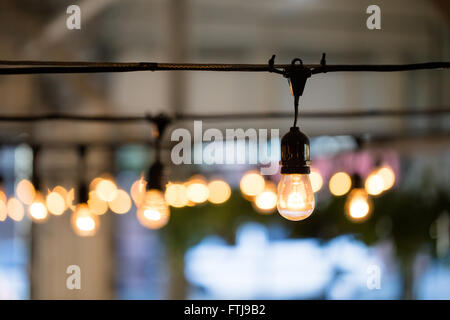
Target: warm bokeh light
{"points": [[56, 203], [3, 196], [340, 183], [84, 222], [138, 190], [176, 195], [15, 209], [295, 197], [374, 184], [37, 210], [154, 212], [219, 191], [25, 191], [106, 190], [388, 176], [3, 210], [197, 190], [358, 206], [97, 205], [316, 179], [266, 201], [252, 183], [121, 203]]}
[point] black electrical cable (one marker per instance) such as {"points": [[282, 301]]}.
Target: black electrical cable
{"points": [[41, 67]]}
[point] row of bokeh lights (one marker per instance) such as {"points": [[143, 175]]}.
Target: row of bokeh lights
{"points": [[153, 205]]}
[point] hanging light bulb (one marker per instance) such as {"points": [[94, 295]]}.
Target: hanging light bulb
{"points": [[295, 194], [154, 213], [84, 222], [316, 180], [388, 176], [219, 191], [197, 190], [15, 209], [3, 209], [56, 203], [138, 190], [121, 203], [358, 205], [340, 183], [374, 184], [37, 210], [25, 191], [176, 195], [251, 184]]}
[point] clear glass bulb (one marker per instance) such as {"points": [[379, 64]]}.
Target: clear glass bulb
{"points": [[295, 197], [154, 213]]}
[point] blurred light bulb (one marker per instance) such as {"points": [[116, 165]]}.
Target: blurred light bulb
{"points": [[97, 205], [3, 210], [176, 195], [37, 210], [15, 209], [219, 191], [56, 203], [154, 212], [358, 206], [295, 197], [197, 190], [138, 190], [374, 184], [106, 190], [388, 176], [266, 201], [3, 196], [84, 222], [25, 191], [316, 180], [252, 183], [121, 203], [340, 183]]}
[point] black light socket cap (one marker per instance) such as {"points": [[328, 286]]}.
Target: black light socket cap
{"points": [[156, 176], [295, 158]]}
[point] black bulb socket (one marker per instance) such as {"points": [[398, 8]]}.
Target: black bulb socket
{"points": [[295, 157]]}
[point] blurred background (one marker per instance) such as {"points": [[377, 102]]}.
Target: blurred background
{"points": [[224, 238]]}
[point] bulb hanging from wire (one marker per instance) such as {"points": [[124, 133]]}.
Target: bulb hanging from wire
{"points": [[295, 193], [358, 205]]}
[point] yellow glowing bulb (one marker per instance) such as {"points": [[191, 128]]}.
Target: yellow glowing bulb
{"points": [[25, 191], [252, 183], [121, 203], [138, 191], [3, 210], [15, 209], [97, 205], [374, 184], [84, 222], [340, 183], [3, 196], [37, 210], [106, 190], [388, 176], [219, 191], [295, 197], [56, 203], [316, 180], [266, 201], [154, 212], [358, 206], [176, 195], [197, 190]]}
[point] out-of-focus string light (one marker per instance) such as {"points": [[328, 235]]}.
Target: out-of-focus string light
{"points": [[84, 222], [3, 209], [97, 205], [266, 201], [358, 205], [138, 190], [374, 184], [340, 183], [25, 191], [252, 184], [219, 191], [37, 210], [388, 176], [15, 209], [176, 195], [106, 190], [316, 180], [154, 213], [56, 203], [197, 190], [121, 203]]}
